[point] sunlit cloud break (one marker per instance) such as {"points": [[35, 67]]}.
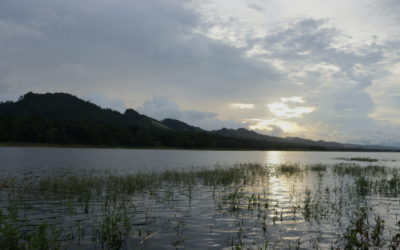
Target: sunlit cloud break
{"points": [[281, 109], [242, 106], [295, 99], [270, 125]]}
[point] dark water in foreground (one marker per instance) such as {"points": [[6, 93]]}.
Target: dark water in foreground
{"points": [[273, 205]]}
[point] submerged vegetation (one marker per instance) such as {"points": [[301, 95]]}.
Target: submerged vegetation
{"points": [[240, 206]]}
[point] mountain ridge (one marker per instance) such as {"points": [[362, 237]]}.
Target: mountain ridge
{"points": [[63, 118]]}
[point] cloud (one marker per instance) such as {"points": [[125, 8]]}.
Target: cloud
{"points": [[294, 99], [275, 127], [334, 78], [242, 106], [11, 30], [105, 102], [326, 74], [283, 110], [162, 107], [129, 50]]}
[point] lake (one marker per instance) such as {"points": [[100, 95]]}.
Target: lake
{"points": [[18, 160], [185, 199]]}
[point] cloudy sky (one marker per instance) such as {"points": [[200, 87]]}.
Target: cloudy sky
{"points": [[315, 69]]}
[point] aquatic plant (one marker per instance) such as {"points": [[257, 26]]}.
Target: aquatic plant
{"points": [[364, 159], [113, 211], [360, 234], [357, 170], [13, 237], [317, 167], [289, 169]]}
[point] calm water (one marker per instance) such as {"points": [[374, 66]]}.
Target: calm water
{"points": [[270, 211], [15, 161]]}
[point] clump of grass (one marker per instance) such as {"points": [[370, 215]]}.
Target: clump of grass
{"points": [[389, 187], [234, 200], [375, 169], [242, 173], [357, 170], [289, 169], [12, 235], [112, 230], [307, 205], [361, 235], [364, 159], [363, 186], [317, 167], [85, 185]]}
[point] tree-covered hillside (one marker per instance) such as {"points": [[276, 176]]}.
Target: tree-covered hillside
{"points": [[64, 119]]}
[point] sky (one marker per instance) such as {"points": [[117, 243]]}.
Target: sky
{"points": [[308, 68]]}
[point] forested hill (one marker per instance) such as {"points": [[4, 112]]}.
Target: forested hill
{"points": [[66, 107], [64, 119]]}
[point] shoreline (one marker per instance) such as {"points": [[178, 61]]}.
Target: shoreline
{"points": [[77, 146]]}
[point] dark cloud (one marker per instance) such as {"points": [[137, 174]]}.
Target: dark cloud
{"points": [[130, 50], [142, 47]]}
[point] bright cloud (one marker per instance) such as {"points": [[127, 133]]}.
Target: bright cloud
{"points": [[270, 125], [295, 99], [242, 106], [280, 109]]}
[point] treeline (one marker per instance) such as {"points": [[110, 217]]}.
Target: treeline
{"points": [[62, 132], [64, 119]]}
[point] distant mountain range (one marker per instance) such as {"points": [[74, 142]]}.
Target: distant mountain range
{"points": [[64, 119]]}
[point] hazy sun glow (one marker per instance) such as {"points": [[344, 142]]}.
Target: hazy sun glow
{"points": [[271, 124], [283, 110]]}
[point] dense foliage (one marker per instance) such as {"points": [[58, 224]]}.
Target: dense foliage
{"points": [[51, 131]]}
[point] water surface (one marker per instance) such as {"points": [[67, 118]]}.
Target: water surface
{"points": [[17, 160], [289, 204]]}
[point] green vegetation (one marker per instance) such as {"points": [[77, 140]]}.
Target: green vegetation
{"points": [[289, 169], [365, 159], [317, 167], [249, 205], [357, 170]]}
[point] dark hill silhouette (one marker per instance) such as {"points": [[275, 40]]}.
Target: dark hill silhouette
{"points": [[244, 133], [63, 106], [180, 126], [61, 118], [299, 142]]}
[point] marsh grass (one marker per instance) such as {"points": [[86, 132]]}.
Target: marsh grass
{"points": [[115, 206], [71, 185], [361, 234], [362, 159], [317, 167], [13, 236], [289, 169], [357, 170]]}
